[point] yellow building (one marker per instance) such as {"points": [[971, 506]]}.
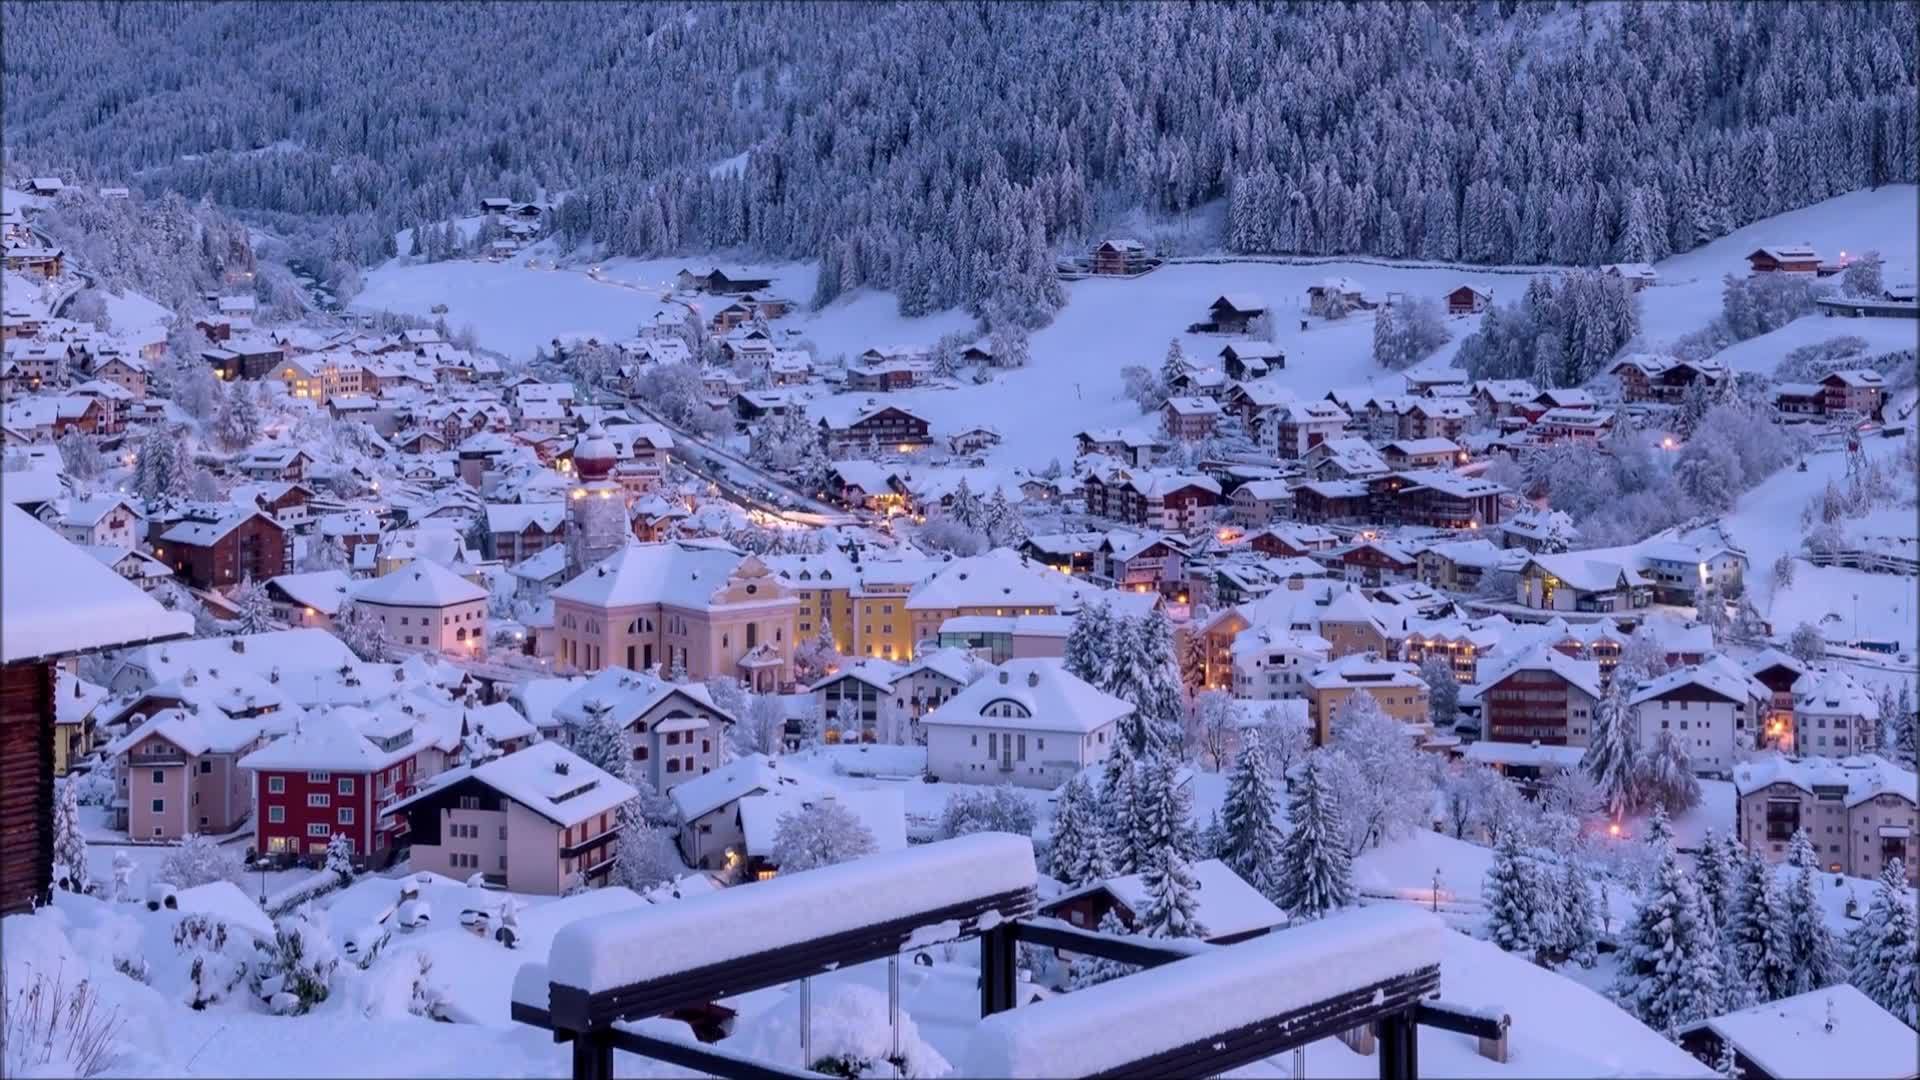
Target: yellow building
{"points": [[74, 702], [1397, 687]]}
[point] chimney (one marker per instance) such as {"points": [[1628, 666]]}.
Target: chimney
{"points": [[1033, 678], [560, 767], [239, 645], [1003, 677]]}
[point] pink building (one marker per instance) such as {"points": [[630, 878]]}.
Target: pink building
{"points": [[179, 774]]}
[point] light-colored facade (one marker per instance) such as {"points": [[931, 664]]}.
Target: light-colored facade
{"points": [[1028, 723], [703, 610], [1714, 710], [1398, 688], [1860, 812], [1274, 666], [424, 604]]}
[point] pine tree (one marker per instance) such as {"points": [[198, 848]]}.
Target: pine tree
{"points": [[1516, 915], [1172, 909], [1251, 841], [1078, 856], [1157, 694], [1814, 957], [1758, 933], [1163, 810], [1094, 970], [69, 842], [255, 608], [1884, 946], [1713, 875], [1120, 807], [1578, 924], [340, 857], [1316, 871], [1087, 653], [1670, 975], [1726, 1064], [1611, 758], [600, 741]]}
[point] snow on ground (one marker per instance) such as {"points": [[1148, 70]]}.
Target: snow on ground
{"points": [[1766, 523], [136, 317], [1688, 295], [1762, 354]]}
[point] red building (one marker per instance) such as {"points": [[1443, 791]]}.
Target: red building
{"points": [[210, 554], [1545, 697], [336, 773]]}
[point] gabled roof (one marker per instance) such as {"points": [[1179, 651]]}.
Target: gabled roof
{"points": [[1588, 574], [1861, 777], [555, 783], [754, 774], [1834, 1031], [331, 742], [1717, 675], [1224, 903], [625, 695], [55, 598], [1053, 699], [419, 583], [1584, 674]]}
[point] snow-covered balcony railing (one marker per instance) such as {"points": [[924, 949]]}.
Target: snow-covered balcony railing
{"points": [[634, 964], [1229, 1007]]}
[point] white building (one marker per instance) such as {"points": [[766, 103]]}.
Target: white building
{"points": [[673, 730], [1271, 664], [1715, 710], [103, 521], [1833, 714], [1028, 722], [424, 604]]}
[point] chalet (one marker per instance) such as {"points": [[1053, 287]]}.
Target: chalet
{"points": [[1637, 275], [1120, 257], [245, 544], [1430, 453], [1326, 502], [1497, 399], [1468, 300], [181, 774], [1557, 425], [1141, 562], [1575, 581], [1784, 259], [1190, 419], [717, 282], [1444, 499], [1436, 418], [1258, 503], [1371, 563], [972, 440], [1244, 360], [1713, 709], [45, 262], [1645, 377], [274, 463], [1834, 714], [1396, 687], [1833, 1031], [1541, 695], [1233, 313], [1070, 553], [1292, 541], [425, 604], [255, 355], [45, 186], [554, 813], [1251, 400], [1858, 392], [100, 520], [1459, 565], [1335, 296], [127, 372], [1230, 909], [885, 376], [1129, 446], [55, 603], [1297, 426], [889, 427], [1153, 499]]}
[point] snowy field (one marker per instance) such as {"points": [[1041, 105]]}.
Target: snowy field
{"points": [[1688, 295]]}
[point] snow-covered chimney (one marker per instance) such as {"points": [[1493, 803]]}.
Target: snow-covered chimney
{"points": [[1033, 678], [1003, 678], [239, 645]]}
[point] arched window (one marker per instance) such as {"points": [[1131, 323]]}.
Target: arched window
{"points": [[753, 634]]}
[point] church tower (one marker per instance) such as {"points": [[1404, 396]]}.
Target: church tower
{"points": [[597, 524]]}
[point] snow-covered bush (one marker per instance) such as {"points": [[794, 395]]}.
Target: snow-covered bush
{"points": [[53, 1028], [1807, 644], [999, 809], [1384, 783], [295, 973], [822, 834], [216, 963], [197, 860], [852, 1036], [1094, 970], [1811, 363], [1757, 304], [1406, 333], [1861, 278], [340, 857]]}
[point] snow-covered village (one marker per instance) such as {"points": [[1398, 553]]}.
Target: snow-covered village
{"points": [[933, 539]]}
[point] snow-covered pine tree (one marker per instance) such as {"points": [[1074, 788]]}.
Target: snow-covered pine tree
{"points": [[1669, 976], [1160, 701], [1517, 914], [1578, 925], [1759, 933], [1714, 877], [1087, 653], [1173, 369], [1251, 836], [255, 609], [1611, 757], [1726, 1063], [364, 632], [1316, 871], [1814, 957], [600, 741], [1094, 970], [1666, 774], [1884, 946], [1163, 809], [1172, 906], [1120, 806], [340, 857], [69, 842], [1077, 856]]}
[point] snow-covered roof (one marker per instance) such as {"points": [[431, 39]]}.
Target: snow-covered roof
{"points": [[1862, 777], [331, 742], [198, 732], [1580, 571], [999, 578], [754, 774], [678, 573], [1787, 252], [1584, 674], [420, 583], [1224, 903], [882, 810], [1716, 674], [555, 783], [1244, 302], [624, 695], [1831, 690], [56, 599], [1488, 752], [1835, 1031], [1053, 699]]}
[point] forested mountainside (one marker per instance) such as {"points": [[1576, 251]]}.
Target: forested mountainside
{"points": [[945, 150]]}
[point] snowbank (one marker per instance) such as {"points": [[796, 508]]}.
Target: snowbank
{"points": [[602, 953]]}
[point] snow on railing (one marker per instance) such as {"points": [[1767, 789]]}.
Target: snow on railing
{"points": [[624, 948], [1128, 1020], [319, 884]]}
